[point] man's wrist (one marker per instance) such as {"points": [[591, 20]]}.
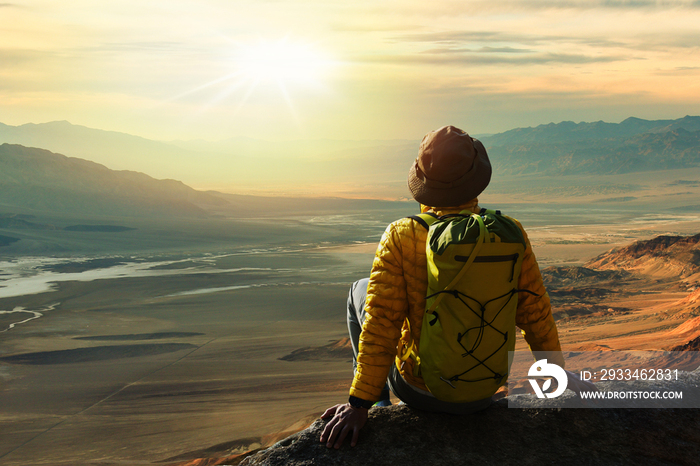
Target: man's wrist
{"points": [[356, 402]]}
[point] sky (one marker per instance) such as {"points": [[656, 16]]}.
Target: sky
{"points": [[379, 69]]}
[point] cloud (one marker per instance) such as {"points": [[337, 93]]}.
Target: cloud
{"points": [[454, 37], [636, 4], [502, 50], [153, 46], [529, 5], [386, 16], [357, 26], [462, 57], [486, 50], [665, 41], [15, 57], [495, 37], [493, 41], [495, 47], [680, 70]]}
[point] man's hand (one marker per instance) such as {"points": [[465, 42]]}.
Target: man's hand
{"points": [[577, 385], [346, 419]]}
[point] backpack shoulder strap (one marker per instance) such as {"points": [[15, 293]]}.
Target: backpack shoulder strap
{"points": [[490, 211], [425, 219]]}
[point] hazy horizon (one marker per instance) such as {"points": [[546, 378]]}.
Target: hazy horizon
{"points": [[364, 169]]}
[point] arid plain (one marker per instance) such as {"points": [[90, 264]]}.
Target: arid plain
{"points": [[182, 360]]}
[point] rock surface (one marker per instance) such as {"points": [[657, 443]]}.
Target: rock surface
{"points": [[398, 435], [662, 256]]}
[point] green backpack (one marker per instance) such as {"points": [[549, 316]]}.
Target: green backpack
{"points": [[474, 263]]}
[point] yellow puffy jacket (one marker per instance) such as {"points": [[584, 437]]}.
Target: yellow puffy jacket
{"points": [[397, 289]]}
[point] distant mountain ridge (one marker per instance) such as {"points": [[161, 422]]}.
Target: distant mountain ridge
{"points": [[119, 151], [38, 179], [567, 148], [372, 168], [568, 131], [231, 164]]}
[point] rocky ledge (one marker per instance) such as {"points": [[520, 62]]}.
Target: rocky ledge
{"points": [[529, 435]]}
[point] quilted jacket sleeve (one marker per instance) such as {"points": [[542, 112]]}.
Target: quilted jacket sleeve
{"points": [[386, 309], [534, 314]]}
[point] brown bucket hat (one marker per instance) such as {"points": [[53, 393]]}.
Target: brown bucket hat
{"points": [[452, 168]]}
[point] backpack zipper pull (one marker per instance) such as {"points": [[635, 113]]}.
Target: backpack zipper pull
{"points": [[448, 382]]}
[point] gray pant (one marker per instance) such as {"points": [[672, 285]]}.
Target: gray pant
{"points": [[402, 389]]}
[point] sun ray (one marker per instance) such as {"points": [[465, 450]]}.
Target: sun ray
{"points": [[245, 97], [222, 95], [228, 77]]}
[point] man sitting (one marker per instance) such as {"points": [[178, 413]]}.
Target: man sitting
{"points": [[385, 311]]}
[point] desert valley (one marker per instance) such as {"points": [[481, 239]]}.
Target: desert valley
{"points": [[145, 322]]}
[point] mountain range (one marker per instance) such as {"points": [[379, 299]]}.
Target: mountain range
{"points": [[240, 165], [568, 148], [568, 131], [371, 168], [41, 180]]}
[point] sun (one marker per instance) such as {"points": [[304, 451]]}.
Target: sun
{"points": [[268, 73], [282, 62]]}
